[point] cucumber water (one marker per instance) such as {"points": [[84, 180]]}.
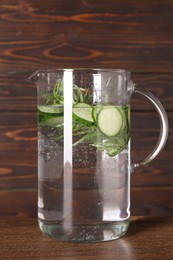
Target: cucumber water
{"points": [[91, 193], [108, 130]]}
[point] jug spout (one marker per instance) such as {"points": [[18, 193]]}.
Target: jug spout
{"points": [[34, 76]]}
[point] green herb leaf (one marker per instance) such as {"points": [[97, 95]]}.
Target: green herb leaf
{"points": [[83, 130]]}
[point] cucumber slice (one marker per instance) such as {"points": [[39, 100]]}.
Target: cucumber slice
{"points": [[110, 120], [55, 122], [52, 109], [95, 111], [123, 112], [49, 119], [83, 112]]}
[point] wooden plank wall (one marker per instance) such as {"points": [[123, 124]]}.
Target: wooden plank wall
{"points": [[131, 34]]}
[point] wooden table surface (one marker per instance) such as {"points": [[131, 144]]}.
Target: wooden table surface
{"points": [[147, 238], [150, 235], [130, 34]]}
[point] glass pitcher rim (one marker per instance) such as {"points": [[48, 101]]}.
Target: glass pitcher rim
{"points": [[37, 73]]}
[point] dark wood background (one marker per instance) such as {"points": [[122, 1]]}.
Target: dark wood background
{"points": [[130, 34]]}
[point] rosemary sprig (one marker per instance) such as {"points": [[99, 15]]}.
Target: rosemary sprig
{"points": [[83, 131]]}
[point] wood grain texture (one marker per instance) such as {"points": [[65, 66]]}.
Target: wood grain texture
{"points": [[84, 50], [130, 34], [144, 240], [18, 94], [151, 224], [74, 6], [145, 201], [22, 126], [79, 33], [18, 150]]}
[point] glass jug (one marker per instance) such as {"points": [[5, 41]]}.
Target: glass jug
{"points": [[84, 163]]}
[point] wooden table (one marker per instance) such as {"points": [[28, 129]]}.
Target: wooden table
{"points": [[149, 237], [130, 34]]}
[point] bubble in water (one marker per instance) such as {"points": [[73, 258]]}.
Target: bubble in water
{"points": [[48, 156]]}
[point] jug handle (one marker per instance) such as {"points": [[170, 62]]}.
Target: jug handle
{"points": [[163, 128]]}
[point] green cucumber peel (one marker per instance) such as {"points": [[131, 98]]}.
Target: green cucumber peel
{"points": [[83, 112]]}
